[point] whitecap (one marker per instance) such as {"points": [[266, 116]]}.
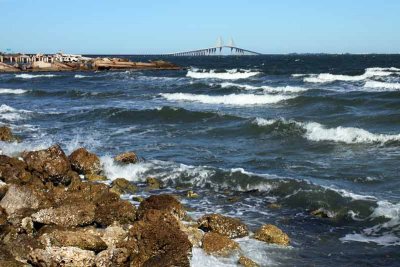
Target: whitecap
{"points": [[232, 99], [228, 75], [31, 76], [11, 114], [382, 86], [265, 88], [79, 76], [12, 91]]}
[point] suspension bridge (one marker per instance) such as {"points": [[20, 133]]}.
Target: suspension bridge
{"points": [[219, 49]]}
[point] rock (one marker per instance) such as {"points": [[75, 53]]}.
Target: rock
{"points": [[274, 206], [217, 244], [27, 225], [120, 211], [113, 235], [230, 227], [84, 162], [62, 257], [20, 245], [113, 257], [195, 235], [126, 158], [156, 240], [7, 259], [3, 217], [323, 213], [95, 177], [123, 186], [23, 197], [3, 189], [137, 198], [6, 134], [13, 170], [87, 239], [191, 194], [68, 215], [154, 183], [49, 164], [271, 234], [246, 262], [165, 203]]}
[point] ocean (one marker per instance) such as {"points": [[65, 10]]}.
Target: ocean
{"points": [[318, 136]]}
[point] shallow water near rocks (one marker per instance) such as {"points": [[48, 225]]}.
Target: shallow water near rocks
{"points": [[305, 132]]}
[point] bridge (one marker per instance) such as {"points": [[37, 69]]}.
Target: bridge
{"points": [[219, 49]]}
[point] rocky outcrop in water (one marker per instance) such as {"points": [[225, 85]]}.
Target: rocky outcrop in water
{"points": [[271, 234], [84, 162], [227, 226]]}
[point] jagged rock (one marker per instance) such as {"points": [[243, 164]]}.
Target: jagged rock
{"points": [[13, 170], [68, 215], [20, 245], [6, 134], [165, 203], [246, 262], [271, 234], [217, 244], [120, 211], [154, 183], [23, 197], [27, 225], [49, 164], [95, 177], [3, 217], [113, 235], [230, 227], [62, 257], [84, 162], [126, 158], [3, 189], [113, 257], [7, 259], [191, 194], [122, 186], [195, 235], [156, 240]]}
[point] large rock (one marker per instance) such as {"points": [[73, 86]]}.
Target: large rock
{"points": [[113, 257], [271, 234], [156, 241], [126, 158], [120, 211], [165, 203], [84, 162], [154, 183], [246, 262], [49, 164], [13, 170], [123, 186], [6, 134], [7, 259], [62, 257], [3, 189], [194, 234], [20, 245], [230, 227], [113, 235], [219, 245], [68, 215]]}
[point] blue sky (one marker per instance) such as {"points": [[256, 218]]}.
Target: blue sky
{"points": [[156, 26]]}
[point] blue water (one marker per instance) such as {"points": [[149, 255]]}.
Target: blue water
{"points": [[306, 132]]}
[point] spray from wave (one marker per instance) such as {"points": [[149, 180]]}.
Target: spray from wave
{"points": [[228, 75], [382, 86]]}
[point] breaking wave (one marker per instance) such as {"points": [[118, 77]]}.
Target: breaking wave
{"points": [[9, 114], [31, 76], [12, 91], [384, 86], [265, 88], [232, 99], [79, 76], [228, 75]]}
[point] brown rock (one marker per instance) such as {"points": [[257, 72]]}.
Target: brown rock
{"points": [[126, 158], [153, 183], [271, 234], [218, 244], [113, 235], [274, 206], [84, 162], [246, 262], [3, 217], [6, 134], [113, 257], [120, 211], [7, 259], [3, 189], [230, 227], [62, 257], [165, 203], [191, 194], [95, 177], [13, 170], [20, 245], [123, 186], [195, 235], [49, 164]]}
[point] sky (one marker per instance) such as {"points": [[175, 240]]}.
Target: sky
{"points": [[162, 26]]}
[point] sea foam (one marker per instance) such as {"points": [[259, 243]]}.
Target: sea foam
{"points": [[382, 86], [268, 89], [31, 76], [12, 91], [228, 75]]}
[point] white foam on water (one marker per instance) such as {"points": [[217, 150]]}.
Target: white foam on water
{"points": [[369, 73], [267, 89], [12, 91], [14, 148], [31, 76], [79, 76], [232, 99], [384, 240], [11, 114], [228, 75], [298, 75], [382, 86]]}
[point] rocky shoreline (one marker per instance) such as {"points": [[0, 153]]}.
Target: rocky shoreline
{"points": [[56, 210]]}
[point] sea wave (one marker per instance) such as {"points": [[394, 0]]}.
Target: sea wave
{"points": [[12, 91], [32, 76], [79, 76], [232, 99], [227, 75], [383, 86], [265, 88], [314, 131], [9, 114]]}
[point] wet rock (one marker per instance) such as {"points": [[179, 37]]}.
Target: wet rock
{"points": [[123, 186], [84, 162], [137, 198], [230, 227], [154, 183], [69, 215], [191, 194], [95, 177], [113, 257], [62, 257], [195, 235], [165, 203], [49, 164], [6, 134], [87, 239], [274, 206], [271, 234], [13, 170], [156, 240], [126, 158], [120, 211], [246, 262], [217, 244], [23, 197], [323, 213]]}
